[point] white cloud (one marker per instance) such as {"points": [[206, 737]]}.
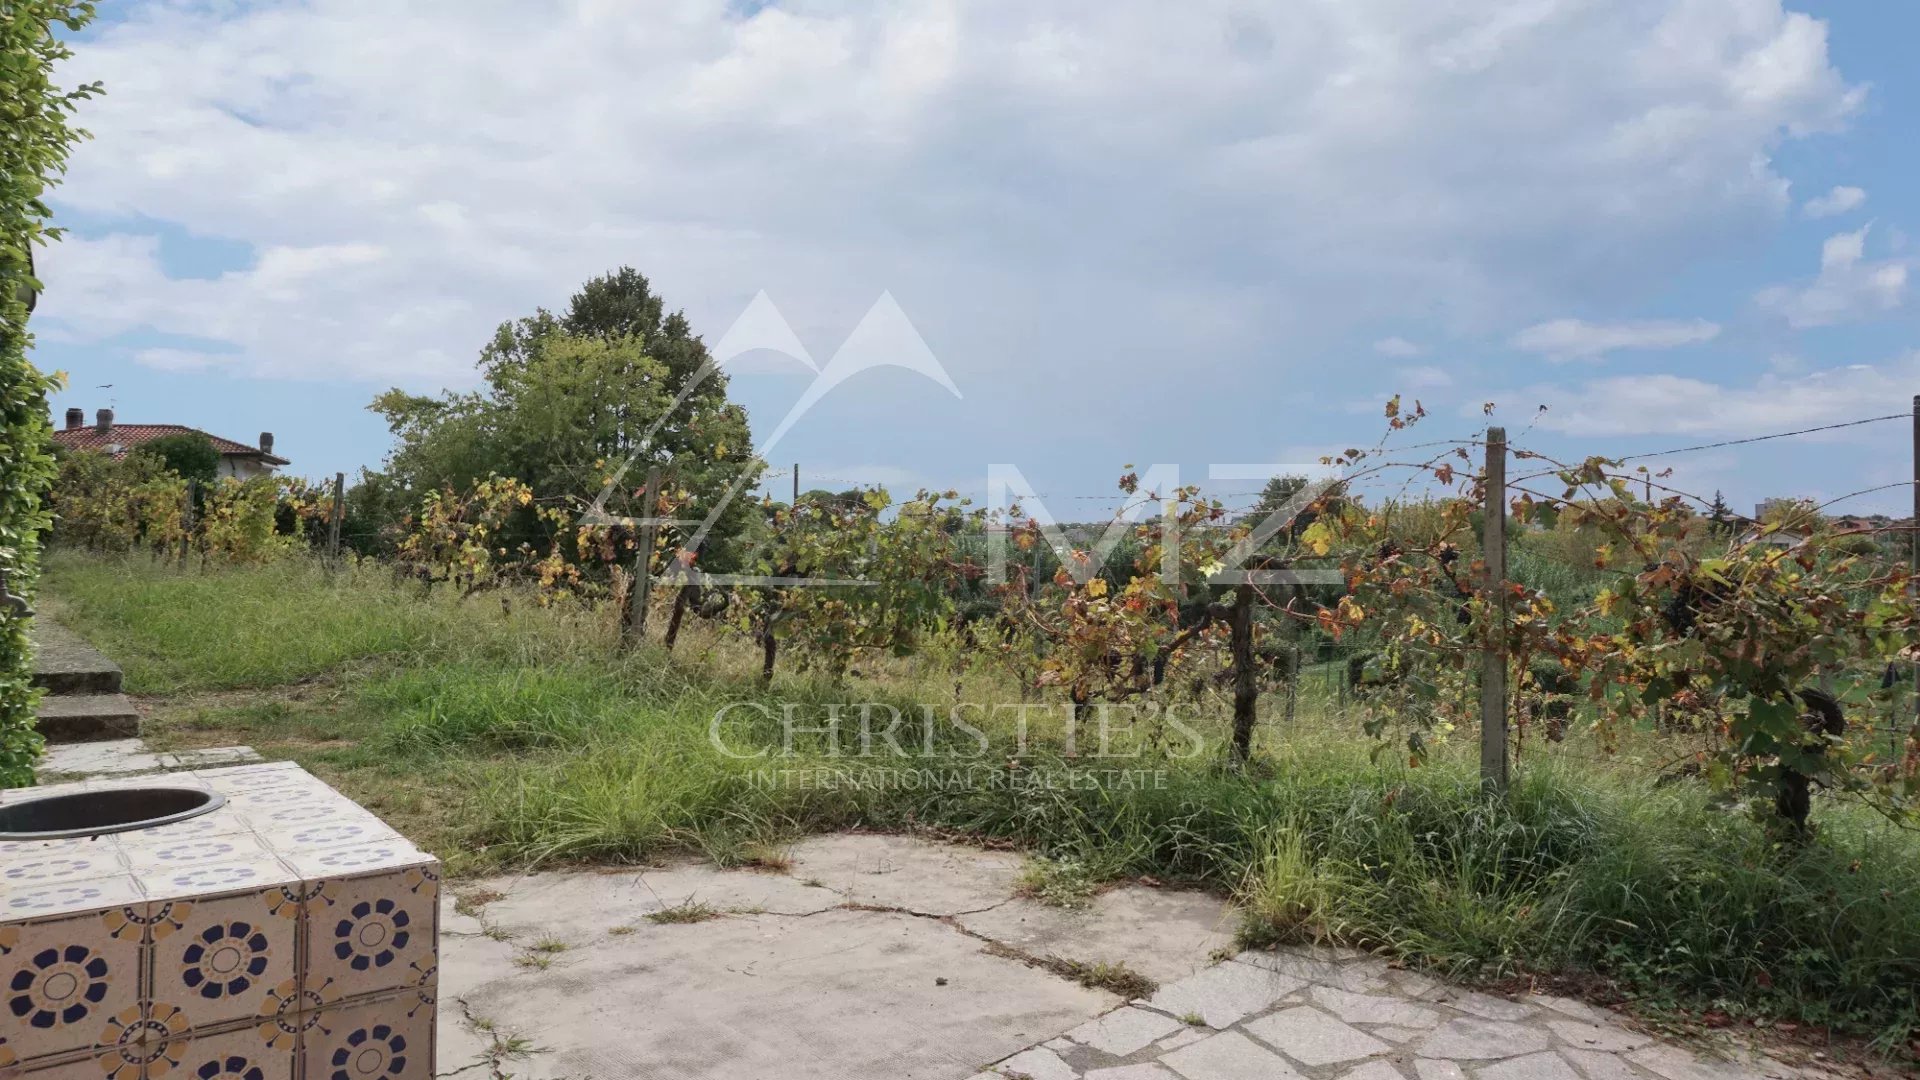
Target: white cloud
{"points": [[1847, 289], [1678, 405], [1398, 347], [179, 359], [1129, 180], [1577, 339], [1421, 377], [1836, 202]]}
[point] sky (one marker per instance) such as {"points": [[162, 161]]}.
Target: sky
{"points": [[1074, 236]]}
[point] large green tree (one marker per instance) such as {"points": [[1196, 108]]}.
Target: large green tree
{"points": [[611, 388], [189, 454], [35, 137]]}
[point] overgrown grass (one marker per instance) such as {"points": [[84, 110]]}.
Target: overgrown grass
{"points": [[513, 735]]}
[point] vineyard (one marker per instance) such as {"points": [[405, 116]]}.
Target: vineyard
{"points": [[1547, 720], [1643, 611]]}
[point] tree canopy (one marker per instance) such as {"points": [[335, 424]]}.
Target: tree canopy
{"points": [[189, 454], [570, 400]]}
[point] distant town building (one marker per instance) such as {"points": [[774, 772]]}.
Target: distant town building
{"points": [[237, 459]]}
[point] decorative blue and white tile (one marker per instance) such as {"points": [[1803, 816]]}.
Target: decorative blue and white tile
{"points": [[252, 872], [244, 1054], [250, 802], [62, 981], [57, 864], [256, 774], [373, 933], [17, 851], [46, 901], [165, 856], [336, 832], [271, 819], [292, 1009], [224, 821], [386, 1038], [138, 1042], [217, 959], [356, 859]]}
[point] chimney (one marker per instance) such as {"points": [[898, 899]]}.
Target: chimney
{"points": [[76, 418], [103, 421], [266, 442]]}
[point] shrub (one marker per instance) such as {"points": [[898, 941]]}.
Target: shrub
{"points": [[32, 155], [188, 454]]}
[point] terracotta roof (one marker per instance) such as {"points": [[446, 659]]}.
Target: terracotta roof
{"points": [[128, 436]]}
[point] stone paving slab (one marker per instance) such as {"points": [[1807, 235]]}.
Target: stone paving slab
{"points": [[63, 662], [66, 718], [121, 757], [1348, 1017]]}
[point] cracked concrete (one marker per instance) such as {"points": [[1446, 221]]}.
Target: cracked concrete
{"points": [[877, 957], [889, 958]]}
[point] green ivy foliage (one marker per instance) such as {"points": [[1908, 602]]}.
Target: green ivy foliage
{"points": [[35, 137]]}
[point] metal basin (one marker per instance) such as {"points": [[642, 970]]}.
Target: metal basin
{"points": [[109, 810]]}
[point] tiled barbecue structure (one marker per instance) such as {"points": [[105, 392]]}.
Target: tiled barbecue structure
{"points": [[287, 934]]}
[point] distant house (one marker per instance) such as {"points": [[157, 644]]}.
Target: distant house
{"points": [[1785, 538], [237, 460]]}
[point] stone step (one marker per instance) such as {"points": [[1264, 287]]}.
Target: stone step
{"points": [[85, 717], [63, 662]]}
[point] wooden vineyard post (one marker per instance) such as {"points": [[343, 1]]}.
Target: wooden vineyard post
{"points": [[1246, 691], [187, 502], [1493, 664], [336, 513], [639, 593]]}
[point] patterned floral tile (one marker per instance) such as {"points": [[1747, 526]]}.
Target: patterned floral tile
{"points": [[89, 1066], [137, 1041], [243, 1054], [267, 820], [356, 859], [33, 865], [71, 896], [176, 780], [257, 774], [255, 872], [42, 791], [217, 959], [62, 981], [19, 851], [342, 831], [373, 933], [290, 1011], [159, 858], [389, 1038], [288, 934], [222, 822]]}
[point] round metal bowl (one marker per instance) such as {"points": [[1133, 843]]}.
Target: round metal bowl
{"points": [[109, 810]]}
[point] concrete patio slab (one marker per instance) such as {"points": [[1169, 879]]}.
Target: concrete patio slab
{"points": [[900, 871], [892, 958], [844, 994], [881, 957], [1166, 934]]}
